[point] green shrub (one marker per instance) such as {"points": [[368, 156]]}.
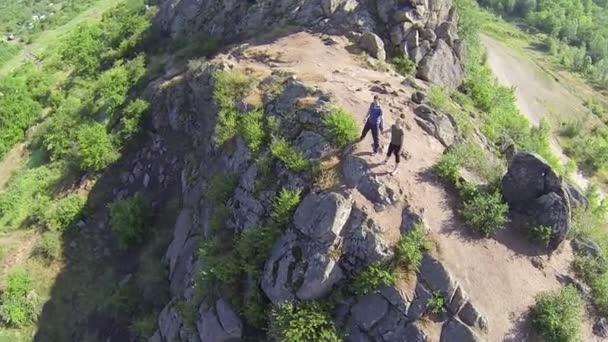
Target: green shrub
{"points": [[50, 245], [58, 133], [60, 215], [599, 288], [373, 278], [589, 267], [128, 220], [221, 189], [307, 322], [571, 129], [19, 303], [439, 98], [220, 266], [410, 248], [404, 65], [252, 130], [486, 213], [231, 86], [284, 206], [254, 246], [95, 148], [437, 304], [558, 316], [18, 201], [256, 309], [132, 117], [342, 127], [541, 234], [145, 326], [292, 159], [227, 126], [448, 168]]}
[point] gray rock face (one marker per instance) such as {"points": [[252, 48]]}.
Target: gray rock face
{"points": [[436, 124], [470, 316], [437, 277], [313, 145], [454, 331], [362, 244], [382, 193], [373, 45], [442, 66], [575, 195], [369, 310], [448, 32], [532, 187], [419, 97], [600, 328], [420, 302], [221, 324], [300, 267], [169, 323], [587, 247], [458, 300], [322, 215], [180, 234]]}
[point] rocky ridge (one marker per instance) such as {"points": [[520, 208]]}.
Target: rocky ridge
{"points": [[425, 31]]}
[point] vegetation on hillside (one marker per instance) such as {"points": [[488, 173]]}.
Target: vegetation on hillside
{"points": [[576, 30]]}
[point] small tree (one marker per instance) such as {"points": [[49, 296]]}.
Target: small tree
{"points": [[128, 220], [95, 148]]}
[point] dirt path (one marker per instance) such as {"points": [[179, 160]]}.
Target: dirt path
{"points": [[496, 273], [539, 95]]}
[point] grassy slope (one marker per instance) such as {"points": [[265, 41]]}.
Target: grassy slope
{"points": [[564, 93], [49, 38]]}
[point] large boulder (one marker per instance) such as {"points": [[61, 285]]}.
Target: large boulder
{"points": [[362, 243], [442, 66], [454, 331], [437, 124], [313, 145], [448, 32], [322, 215], [532, 187], [374, 45], [575, 195], [219, 323]]}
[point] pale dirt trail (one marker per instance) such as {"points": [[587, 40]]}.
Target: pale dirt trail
{"points": [[496, 273], [537, 92]]}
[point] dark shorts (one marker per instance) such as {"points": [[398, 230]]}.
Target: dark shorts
{"points": [[396, 150]]}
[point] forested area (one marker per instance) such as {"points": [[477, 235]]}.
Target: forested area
{"points": [[577, 31]]}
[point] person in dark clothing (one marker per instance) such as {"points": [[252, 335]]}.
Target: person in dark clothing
{"points": [[373, 122], [397, 138]]}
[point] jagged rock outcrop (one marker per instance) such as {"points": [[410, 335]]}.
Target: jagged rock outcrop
{"points": [[532, 187], [439, 125], [424, 31]]}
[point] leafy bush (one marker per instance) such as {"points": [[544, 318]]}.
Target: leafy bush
{"points": [[19, 303], [50, 245], [284, 206], [448, 168], [404, 65], [231, 86], [95, 148], [18, 201], [292, 159], [128, 220], [486, 213], [145, 326], [373, 278], [254, 246], [221, 189], [58, 133], [541, 234], [307, 322], [227, 126], [342, 128], [437, 304], [558, 316], [410, 248], [220, 266], [599, 288], [132, 118], [60, 215], [589, 267], [252, 130], [256, 309]]}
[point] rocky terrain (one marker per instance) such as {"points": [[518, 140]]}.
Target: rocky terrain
{"points": [[299, 51]]}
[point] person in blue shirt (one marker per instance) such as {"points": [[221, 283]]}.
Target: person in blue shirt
{"points": [[373, 122]]}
